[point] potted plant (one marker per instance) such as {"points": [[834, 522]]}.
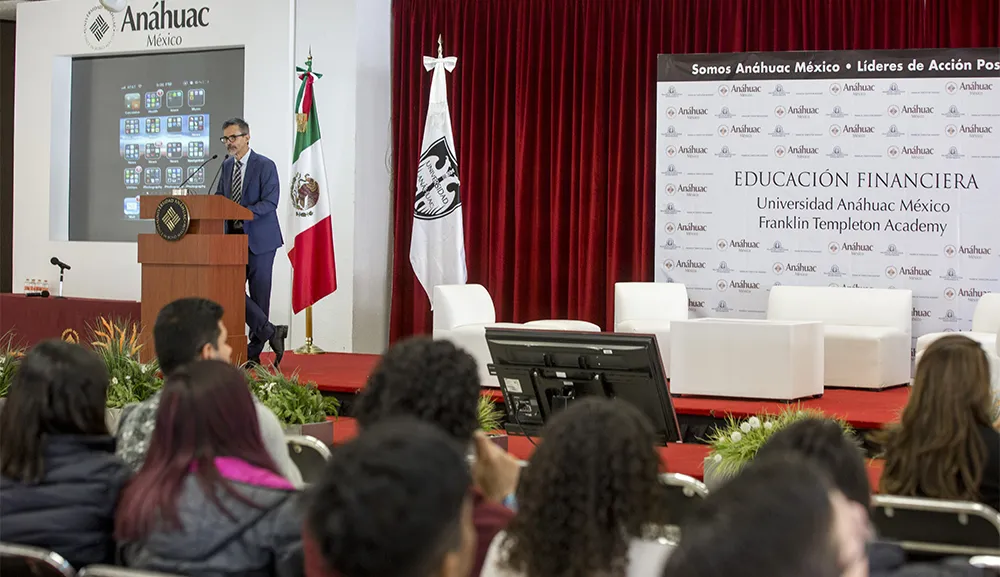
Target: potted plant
{"points": [[10, 354], [735, 444], [301, 408], [490, 420], [131, 381]]}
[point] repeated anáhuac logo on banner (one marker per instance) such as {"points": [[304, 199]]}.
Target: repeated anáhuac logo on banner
{"points": [[851, 168]]}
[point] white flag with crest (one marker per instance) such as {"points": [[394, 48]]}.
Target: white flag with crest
{"points": [[437, 246]]}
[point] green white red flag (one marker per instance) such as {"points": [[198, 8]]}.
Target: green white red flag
{"points": [[314, 267]]}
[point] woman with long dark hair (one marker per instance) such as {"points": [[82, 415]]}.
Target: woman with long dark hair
{"points": [[60, 477], [586, 500], [945, 446], [209, 500]]}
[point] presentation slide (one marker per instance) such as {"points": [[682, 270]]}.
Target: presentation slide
{"points": [[143, 125]]}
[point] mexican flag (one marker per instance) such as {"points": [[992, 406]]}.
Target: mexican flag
{"points": [[314, 268]]}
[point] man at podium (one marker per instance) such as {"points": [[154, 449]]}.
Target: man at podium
{"points": [[251, 180]]}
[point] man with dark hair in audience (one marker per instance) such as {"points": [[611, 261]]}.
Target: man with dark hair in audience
{"points": [[824, 443], [780, 517], [438, 383], [188, 330], [394, 502]]}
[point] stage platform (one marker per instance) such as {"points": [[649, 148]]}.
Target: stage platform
{"points": [[684, 458], [344, 374]]}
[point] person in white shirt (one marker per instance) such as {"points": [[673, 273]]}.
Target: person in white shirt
{"points": [[587, 500]]}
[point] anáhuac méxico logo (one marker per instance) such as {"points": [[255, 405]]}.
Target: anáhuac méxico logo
{"points": [[99, 28], [162, 18], [100, 25]]}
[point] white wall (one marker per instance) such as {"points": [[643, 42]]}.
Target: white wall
{"points": [[350, 41], [353, 98], [373, 204], [49, 35]]}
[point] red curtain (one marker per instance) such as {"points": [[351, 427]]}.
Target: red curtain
{"points": [[552, 105]]}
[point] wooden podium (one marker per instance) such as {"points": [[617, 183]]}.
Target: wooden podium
{"points": [[205, 262]]}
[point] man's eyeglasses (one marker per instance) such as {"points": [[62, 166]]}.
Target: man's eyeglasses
{"points": [[226, 139]]}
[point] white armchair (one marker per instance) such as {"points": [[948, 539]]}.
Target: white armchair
{"points": [[985, 328], [648, 308], [562, 325], [866, 332], [461, 314]]}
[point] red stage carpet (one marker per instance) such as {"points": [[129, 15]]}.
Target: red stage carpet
{"points": [[347, 372], [685, 458]]}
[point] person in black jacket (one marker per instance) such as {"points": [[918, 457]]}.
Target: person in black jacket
{"points": [[60, 477]]}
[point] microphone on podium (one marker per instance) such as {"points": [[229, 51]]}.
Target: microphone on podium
{"points": [[200, 167], [216, 177]]}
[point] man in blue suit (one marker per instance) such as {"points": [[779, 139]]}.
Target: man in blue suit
{"points": [[251, 180]]}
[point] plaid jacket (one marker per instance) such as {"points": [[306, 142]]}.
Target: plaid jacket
{"points": [[135, 430]]}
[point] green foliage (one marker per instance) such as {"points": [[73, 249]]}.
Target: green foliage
{"points": [[10, 354], [736, 444], [132, 381], [488, 414], [293, 402]]}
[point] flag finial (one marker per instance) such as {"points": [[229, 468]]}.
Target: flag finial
{"points": [[310, 54], [440, 47]]}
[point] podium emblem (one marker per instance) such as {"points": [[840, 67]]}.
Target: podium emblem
{"points": [[172, 218]]}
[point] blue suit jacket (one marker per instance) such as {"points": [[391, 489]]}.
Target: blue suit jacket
{"points": [[261, 191]]}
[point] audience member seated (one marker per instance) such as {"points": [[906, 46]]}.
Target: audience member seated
{"points": [[586, 500], [945, 446], [824, 443], [394, 502], [209, 500], [60, 477], [780, 517], [438, 383], [187, 330]]}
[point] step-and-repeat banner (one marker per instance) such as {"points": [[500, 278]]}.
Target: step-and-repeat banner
{"points": [[859, 169]]}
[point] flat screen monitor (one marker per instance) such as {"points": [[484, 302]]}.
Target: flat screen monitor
{"points": [[542, 372]]}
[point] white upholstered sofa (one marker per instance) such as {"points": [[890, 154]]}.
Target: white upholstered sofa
{"points": [[649, 307], [463, 312], [866, 332], [985, 328]]}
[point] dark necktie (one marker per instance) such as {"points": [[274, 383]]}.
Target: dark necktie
{"points": [[238, 182]]}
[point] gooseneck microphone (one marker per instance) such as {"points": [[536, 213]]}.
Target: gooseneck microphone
{"points": [[200, 167], [211, 187], [59, 263]]}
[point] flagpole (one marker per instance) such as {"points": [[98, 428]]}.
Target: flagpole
{"points": [[309, 348]]}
